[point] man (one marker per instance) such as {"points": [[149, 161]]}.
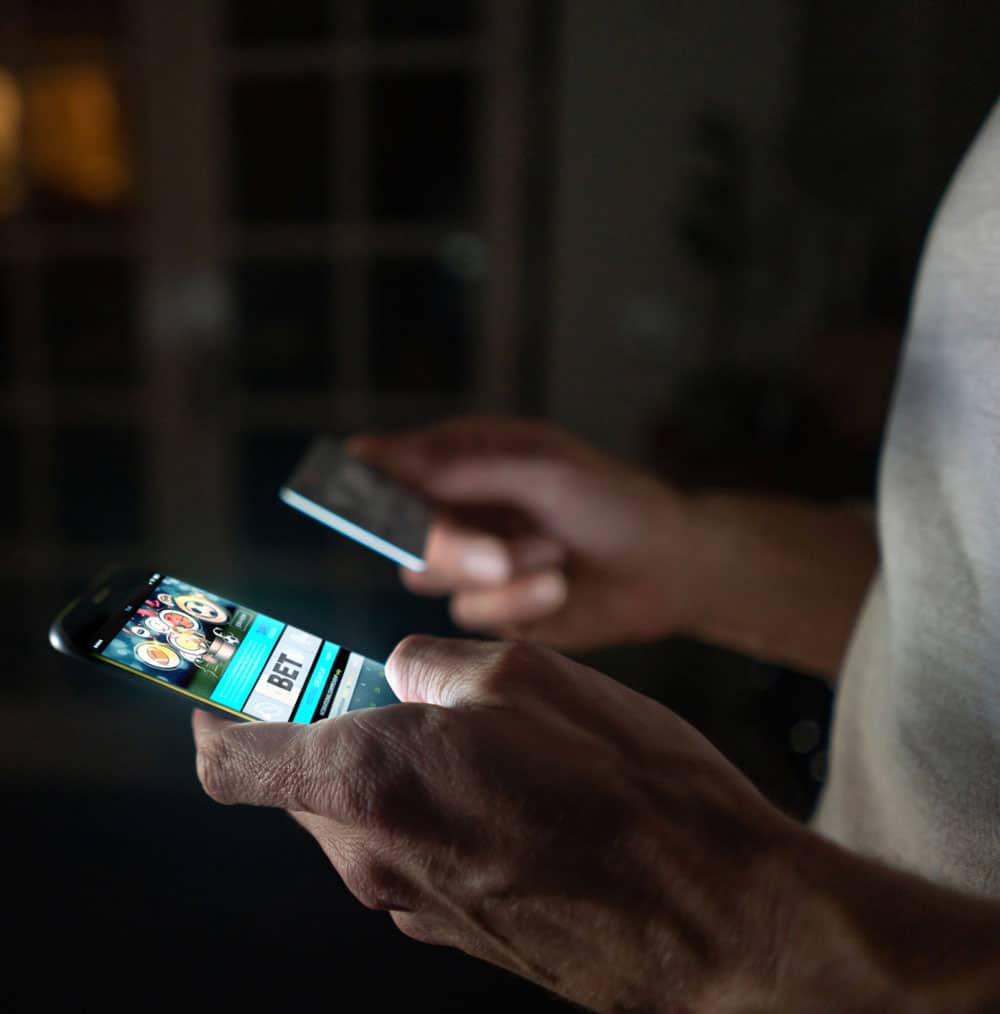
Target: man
{"points": [[536, 814]]}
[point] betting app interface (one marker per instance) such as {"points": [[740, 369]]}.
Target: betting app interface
{"points": [[238, 658]]}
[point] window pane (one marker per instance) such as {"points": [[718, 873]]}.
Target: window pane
{"points": [[78, 157], [278, 149], [284, 337], [421, 318], [90, 320], [428, 17], [61, 21], [265, 461], [11, 144], [99, 482], [265, 23], [424, 146]]}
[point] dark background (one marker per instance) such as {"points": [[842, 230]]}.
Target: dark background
{"points": [[686, 230]]}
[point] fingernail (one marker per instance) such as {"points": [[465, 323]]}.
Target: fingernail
{"points": [[486, 563]]}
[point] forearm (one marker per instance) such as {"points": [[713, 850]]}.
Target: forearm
{"points": [[778, 579], [856, 935]]}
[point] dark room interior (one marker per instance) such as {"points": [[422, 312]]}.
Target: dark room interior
{"points": [[687, 232]]}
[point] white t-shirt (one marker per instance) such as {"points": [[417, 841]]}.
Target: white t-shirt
{"points": [[915, 762]]}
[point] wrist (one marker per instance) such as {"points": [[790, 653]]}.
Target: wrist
{"points": [[853, 934], [692, 563], [776, 579], [732, 893], [798, 949]]}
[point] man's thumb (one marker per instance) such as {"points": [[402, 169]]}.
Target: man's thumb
{"points": [[258, 763], [445, 671]]}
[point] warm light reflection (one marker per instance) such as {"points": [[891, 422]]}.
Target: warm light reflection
{"points": [[75, 139], [11, 110]]}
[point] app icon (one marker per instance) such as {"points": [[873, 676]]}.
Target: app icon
{"points": [[157, 655], [202, 609], [178, 620]]}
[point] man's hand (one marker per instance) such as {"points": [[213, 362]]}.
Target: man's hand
{"points": [[535, 814], [538, 815], [540, 538]]}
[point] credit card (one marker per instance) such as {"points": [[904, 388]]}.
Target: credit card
{"points": [[357, 500]]}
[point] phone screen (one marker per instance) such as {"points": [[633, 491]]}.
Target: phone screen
{"points": [[241, 660]]}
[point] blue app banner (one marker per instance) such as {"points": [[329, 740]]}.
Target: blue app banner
{"points": [[241, 674], [317, 681]]}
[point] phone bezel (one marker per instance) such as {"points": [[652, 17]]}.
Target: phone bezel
{"points": [[72, 630]]}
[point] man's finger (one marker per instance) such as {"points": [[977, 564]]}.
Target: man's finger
{"points": [[459, 558], [410, 454], [261, 763], [478, 461], [530, 553], [459, 555], [543, 488], [400, 455], [445, 671], [524, 600], [426, 582]]}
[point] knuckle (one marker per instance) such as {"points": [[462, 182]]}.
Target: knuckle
{"points": [[302, 778], [367, 776], [377, 886], [512, 663], [430, 725], [215, 762]]}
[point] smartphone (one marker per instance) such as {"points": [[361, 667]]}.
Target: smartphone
{"points": [[219, 653], [346, 494]]}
